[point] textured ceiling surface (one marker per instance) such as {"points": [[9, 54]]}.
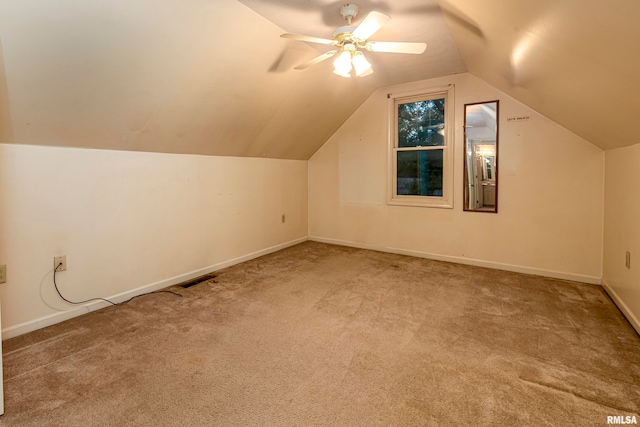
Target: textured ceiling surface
{"points": [[192, 76], [577, 62], [214, 77], [411, 21]]}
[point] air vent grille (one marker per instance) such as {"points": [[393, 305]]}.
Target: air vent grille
{"points": [[197, 280]]}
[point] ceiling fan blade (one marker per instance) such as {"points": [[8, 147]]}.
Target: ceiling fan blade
{"points": [[396, 47], [316, 60], [370, 24], [307, 38]]}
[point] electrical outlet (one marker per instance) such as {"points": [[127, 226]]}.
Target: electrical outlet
{"points": [[3, 274], [283, 218], [60, 263], [627, 260]]}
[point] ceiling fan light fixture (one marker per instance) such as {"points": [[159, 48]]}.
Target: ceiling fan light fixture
{"points": [[342, 64], [360, 64], [338, 72]]}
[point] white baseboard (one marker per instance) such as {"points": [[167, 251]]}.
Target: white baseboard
{"points": [[52, 319], [468, 261], [624, 308]]}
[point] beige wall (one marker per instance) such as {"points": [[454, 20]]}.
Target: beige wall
{"points": [[132, 222], [550, 204], [622, 229]]}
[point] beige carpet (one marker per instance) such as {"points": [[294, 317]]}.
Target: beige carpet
{"points": [[326, 335]]}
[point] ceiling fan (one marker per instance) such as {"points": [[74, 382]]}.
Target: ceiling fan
{"points": [[349, 39]]}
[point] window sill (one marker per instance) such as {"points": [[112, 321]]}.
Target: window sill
{"points": [[421, 202]]}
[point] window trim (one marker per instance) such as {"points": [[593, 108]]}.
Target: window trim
{"points": [[446, 201]]}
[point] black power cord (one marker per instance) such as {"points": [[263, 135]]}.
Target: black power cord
{"points": [[102, 299]]}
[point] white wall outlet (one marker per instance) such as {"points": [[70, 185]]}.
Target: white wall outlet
{"points": [[60, 263], [627, 260], [3, 274]]}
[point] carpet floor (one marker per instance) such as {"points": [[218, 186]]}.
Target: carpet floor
{"points": [[318, 335]]}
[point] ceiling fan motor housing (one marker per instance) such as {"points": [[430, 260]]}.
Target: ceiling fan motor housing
{"points": [[343, 30]]}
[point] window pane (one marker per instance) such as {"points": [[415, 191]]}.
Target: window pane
{"points": [[420, 173], [421, 123]]}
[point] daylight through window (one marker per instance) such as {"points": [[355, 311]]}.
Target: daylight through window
{"points": [[420, 149]]}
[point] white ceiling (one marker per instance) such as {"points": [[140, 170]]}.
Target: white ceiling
{"points": [[214, 77], [575, 61], [411, 21]]}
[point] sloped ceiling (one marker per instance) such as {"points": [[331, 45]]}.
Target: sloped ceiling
{"points": [[190, 76], [214, 77], [575, 61]]}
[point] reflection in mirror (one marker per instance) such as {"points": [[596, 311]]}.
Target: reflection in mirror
{"points": [[481, 157]]}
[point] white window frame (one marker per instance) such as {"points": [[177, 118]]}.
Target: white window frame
{"points": [[446, 200]]}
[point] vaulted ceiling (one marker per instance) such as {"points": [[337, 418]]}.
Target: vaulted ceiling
{"points": [[214, 77]]}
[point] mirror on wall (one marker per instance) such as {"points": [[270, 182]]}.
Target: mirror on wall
{"points": [[481, 157]]}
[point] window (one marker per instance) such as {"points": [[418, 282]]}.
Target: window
{"points": [[421, 148]]}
